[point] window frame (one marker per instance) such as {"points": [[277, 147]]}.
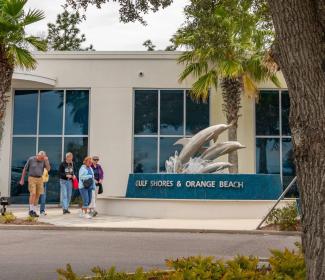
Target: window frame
{"points": [[37, 135], [158, 136], [280, 136]]}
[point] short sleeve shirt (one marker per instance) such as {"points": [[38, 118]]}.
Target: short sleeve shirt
{"points": [[35, 167]]}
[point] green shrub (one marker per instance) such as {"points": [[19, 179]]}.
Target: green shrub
{"points": [[286, 217], [31, 219], [284, 265], [196, 268], [287, 264], [7, 218], [112, 274], [246, 268]]}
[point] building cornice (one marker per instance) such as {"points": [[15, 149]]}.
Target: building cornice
{"points": [[108, 55]]}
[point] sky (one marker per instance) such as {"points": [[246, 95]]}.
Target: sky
{"points": [[103, 29]]}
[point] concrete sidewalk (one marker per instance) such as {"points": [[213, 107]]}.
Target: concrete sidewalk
{"points": [[55, 217]]}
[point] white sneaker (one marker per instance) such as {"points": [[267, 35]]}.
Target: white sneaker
{"points": [[87, 216], [81, 215]]}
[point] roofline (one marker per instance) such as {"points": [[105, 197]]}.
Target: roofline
{"points": [[108, 55]]}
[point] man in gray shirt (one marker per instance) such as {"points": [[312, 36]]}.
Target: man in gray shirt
{"points": [[35, 167]]}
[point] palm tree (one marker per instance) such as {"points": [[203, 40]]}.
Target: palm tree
{"points": [[15, 45], [227, 41]]}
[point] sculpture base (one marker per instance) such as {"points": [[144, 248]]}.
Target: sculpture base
{"points": [[204, 186], [184, 208]]}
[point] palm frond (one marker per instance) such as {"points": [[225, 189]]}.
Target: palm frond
{"points": [[186, 57], [14, 8], [33, 16], [230, 68], [274, 79], [249, 86], [22, 57], [200, 89], [13, 36], [6, 26], [195, 69], [40, 45]]}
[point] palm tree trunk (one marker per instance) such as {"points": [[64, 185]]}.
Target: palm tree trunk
{"points": [[6, 71], [231, 91]]}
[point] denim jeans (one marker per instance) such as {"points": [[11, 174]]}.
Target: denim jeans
{"points": [[43, 199], [66, 192], [86, 195]]}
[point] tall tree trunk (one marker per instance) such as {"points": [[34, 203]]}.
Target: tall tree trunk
{"points": [[300, 51], [231, 91], [6, 71]]}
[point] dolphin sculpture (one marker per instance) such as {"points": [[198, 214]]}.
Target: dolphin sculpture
{"points": [[192, 145], [197, 157], [218, 149], [214, 167]]}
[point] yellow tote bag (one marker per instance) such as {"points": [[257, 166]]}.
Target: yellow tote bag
{"points": [[45, 176]]}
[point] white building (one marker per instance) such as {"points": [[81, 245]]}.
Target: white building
{"points": [[128, 108]]}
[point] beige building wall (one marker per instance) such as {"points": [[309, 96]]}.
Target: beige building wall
{"points": [[111, 78]]}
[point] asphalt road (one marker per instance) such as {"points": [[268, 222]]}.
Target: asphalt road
{"points": [[33, 255]]}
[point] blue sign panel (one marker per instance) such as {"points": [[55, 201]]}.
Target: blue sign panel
{"points": [[204, 186]]}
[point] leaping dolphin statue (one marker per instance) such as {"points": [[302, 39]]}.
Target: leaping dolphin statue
{"points": [[192, 145], [215, 166], [218, 149]]}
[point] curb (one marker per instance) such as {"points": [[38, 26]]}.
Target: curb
{"points": [[130, 229]]}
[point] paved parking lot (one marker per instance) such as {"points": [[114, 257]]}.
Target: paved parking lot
{"points": [[36, 254]]}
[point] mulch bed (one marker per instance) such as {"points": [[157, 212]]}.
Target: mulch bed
{"points": [[25, 222]]}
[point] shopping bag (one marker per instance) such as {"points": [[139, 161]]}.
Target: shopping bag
{"points": [[75, 183]]}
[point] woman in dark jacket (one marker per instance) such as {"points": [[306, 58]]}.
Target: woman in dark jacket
{"points": [[67, 173]]}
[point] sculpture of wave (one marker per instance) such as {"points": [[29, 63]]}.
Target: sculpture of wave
{"points": [[200, 152]]}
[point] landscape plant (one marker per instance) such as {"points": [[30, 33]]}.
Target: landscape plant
{"points": [[227, 41], [7, 218], [283, 265], [15, 46], [285, 217]]}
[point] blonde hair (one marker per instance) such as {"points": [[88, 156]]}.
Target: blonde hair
{"points": [[86, 159]]}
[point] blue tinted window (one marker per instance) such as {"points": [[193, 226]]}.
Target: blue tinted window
{"points": [[53, 148], [285, 103], [169, 118], [78, 146], [22, 149], [51, 112], [76, 112], [171, 112], [268, 155], [197, 115], [145, 155], [25, 112], [287, 158], [47, 113], [267, 113], [288, 167], [167, 149], [146, 112]]}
